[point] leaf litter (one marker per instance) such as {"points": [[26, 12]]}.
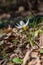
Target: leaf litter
{"points": [[22, 47]]}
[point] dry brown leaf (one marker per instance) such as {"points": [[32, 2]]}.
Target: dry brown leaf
{"points": [[41, 40]]}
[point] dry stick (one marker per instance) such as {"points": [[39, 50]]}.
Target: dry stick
{"points": [[27, 56], [5, 62], [37, 44], [38, 61]]}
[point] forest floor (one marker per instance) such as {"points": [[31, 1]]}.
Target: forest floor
{"points": [[22, 46]]}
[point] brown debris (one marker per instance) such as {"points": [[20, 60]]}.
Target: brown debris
{"points": [[41, 40]]}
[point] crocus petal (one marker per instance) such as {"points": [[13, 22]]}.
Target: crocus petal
{"points": [[18, 27], [27, 22], [22, 23], [17, 24]]}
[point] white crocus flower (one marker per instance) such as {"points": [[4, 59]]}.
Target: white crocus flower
{"points": [[22, 25]]}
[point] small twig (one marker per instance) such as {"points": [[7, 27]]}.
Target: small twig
{"points": [[37, 44], [27, 56], [5, 62]]}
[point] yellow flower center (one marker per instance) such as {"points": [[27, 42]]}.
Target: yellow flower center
{"points": [[25, 28]]}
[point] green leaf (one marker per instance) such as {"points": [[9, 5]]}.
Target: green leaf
{"points": [[37, 32], [31, 42], [17, 60], [41, 51]]}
